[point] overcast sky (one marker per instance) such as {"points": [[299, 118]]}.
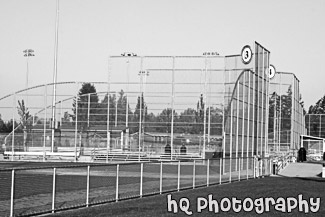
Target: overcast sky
{"points": [[91, 30]]}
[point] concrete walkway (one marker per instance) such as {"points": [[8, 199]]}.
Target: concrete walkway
{"points": [[302, 170]]}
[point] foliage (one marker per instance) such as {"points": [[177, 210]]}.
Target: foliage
{"points": [[87, 104]]}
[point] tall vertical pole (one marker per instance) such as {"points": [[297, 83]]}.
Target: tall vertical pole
{"points": [[140, 109], [172, 121], [55, 72], [88, 110], [76, 130], [204, 107], [108, 140], [45, 118], [237, 126], [248, 115], [280, 120], [116, 101], [127, 95], [13, 128]]}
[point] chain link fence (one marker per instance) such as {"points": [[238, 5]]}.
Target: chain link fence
{"points": [[31, 191]]}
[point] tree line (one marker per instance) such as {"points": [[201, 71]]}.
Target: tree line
{"points": [[90, 111]]}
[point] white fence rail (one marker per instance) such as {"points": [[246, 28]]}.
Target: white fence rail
{"points": [[31, 191]]}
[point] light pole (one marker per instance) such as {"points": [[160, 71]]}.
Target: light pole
{"points": [[206, 54], [128, 83], [141, 74], [28, 53], [55, 72]]}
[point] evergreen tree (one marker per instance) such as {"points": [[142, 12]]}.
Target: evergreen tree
{"points": [[87, 106]]}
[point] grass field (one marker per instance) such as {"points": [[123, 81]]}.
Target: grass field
{"points": [[274, 187]]}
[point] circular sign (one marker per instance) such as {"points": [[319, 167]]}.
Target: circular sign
{"points": [[246, 54], [272, 71]]}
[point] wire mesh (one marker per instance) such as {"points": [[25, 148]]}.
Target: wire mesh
{"points": [[214, 171], [129, 181], [70, 187], [169, 176], [200, 172], [5, 192], [151, 178], [102, 184], [33, 191], [186, 175]]}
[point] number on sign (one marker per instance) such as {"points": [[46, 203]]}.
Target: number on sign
{"points": [[246, 54]]}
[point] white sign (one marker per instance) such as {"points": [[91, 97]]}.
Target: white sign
{"points": [[246, 54], [272, 71]]}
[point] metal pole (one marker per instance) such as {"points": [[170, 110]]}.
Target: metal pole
{"points": [[116, 101], [45, 117], [193, 174], [88, 112], [208, 172], [230, 169], [88, 179], [141, 179], [12, 193], [127, 95], [247, 161], [55, 72], [243, 118], [204, 109], [220, 170], [172, 121], [108, 140], [140, 108], [178, 175], [13, 129], [53, 190], [76, 131], [160, 179], [239, 168], [117, 170], [237, 127]]}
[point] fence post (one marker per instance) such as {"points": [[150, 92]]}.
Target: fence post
{"points": [[88, 176], [254, 168], [230, 162], [178, 175], [141, 179], [239, 166], [117, 170], [247, 162], [12, 193], [220, 169], [193, 174], [160, 181], [208, 172], [53, 192]]}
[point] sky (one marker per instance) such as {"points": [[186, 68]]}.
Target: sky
{"points": [[91, 30]]}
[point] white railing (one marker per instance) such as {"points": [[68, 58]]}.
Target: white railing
{"points": [[26, 191]]}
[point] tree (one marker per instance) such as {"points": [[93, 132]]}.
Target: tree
{"points": [[186, 120], [87, 106], [136, 114], [164, 119], [315, 121], [25, 121]]}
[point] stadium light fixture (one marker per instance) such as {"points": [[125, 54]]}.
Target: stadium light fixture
{"points": [[28, 53]]}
